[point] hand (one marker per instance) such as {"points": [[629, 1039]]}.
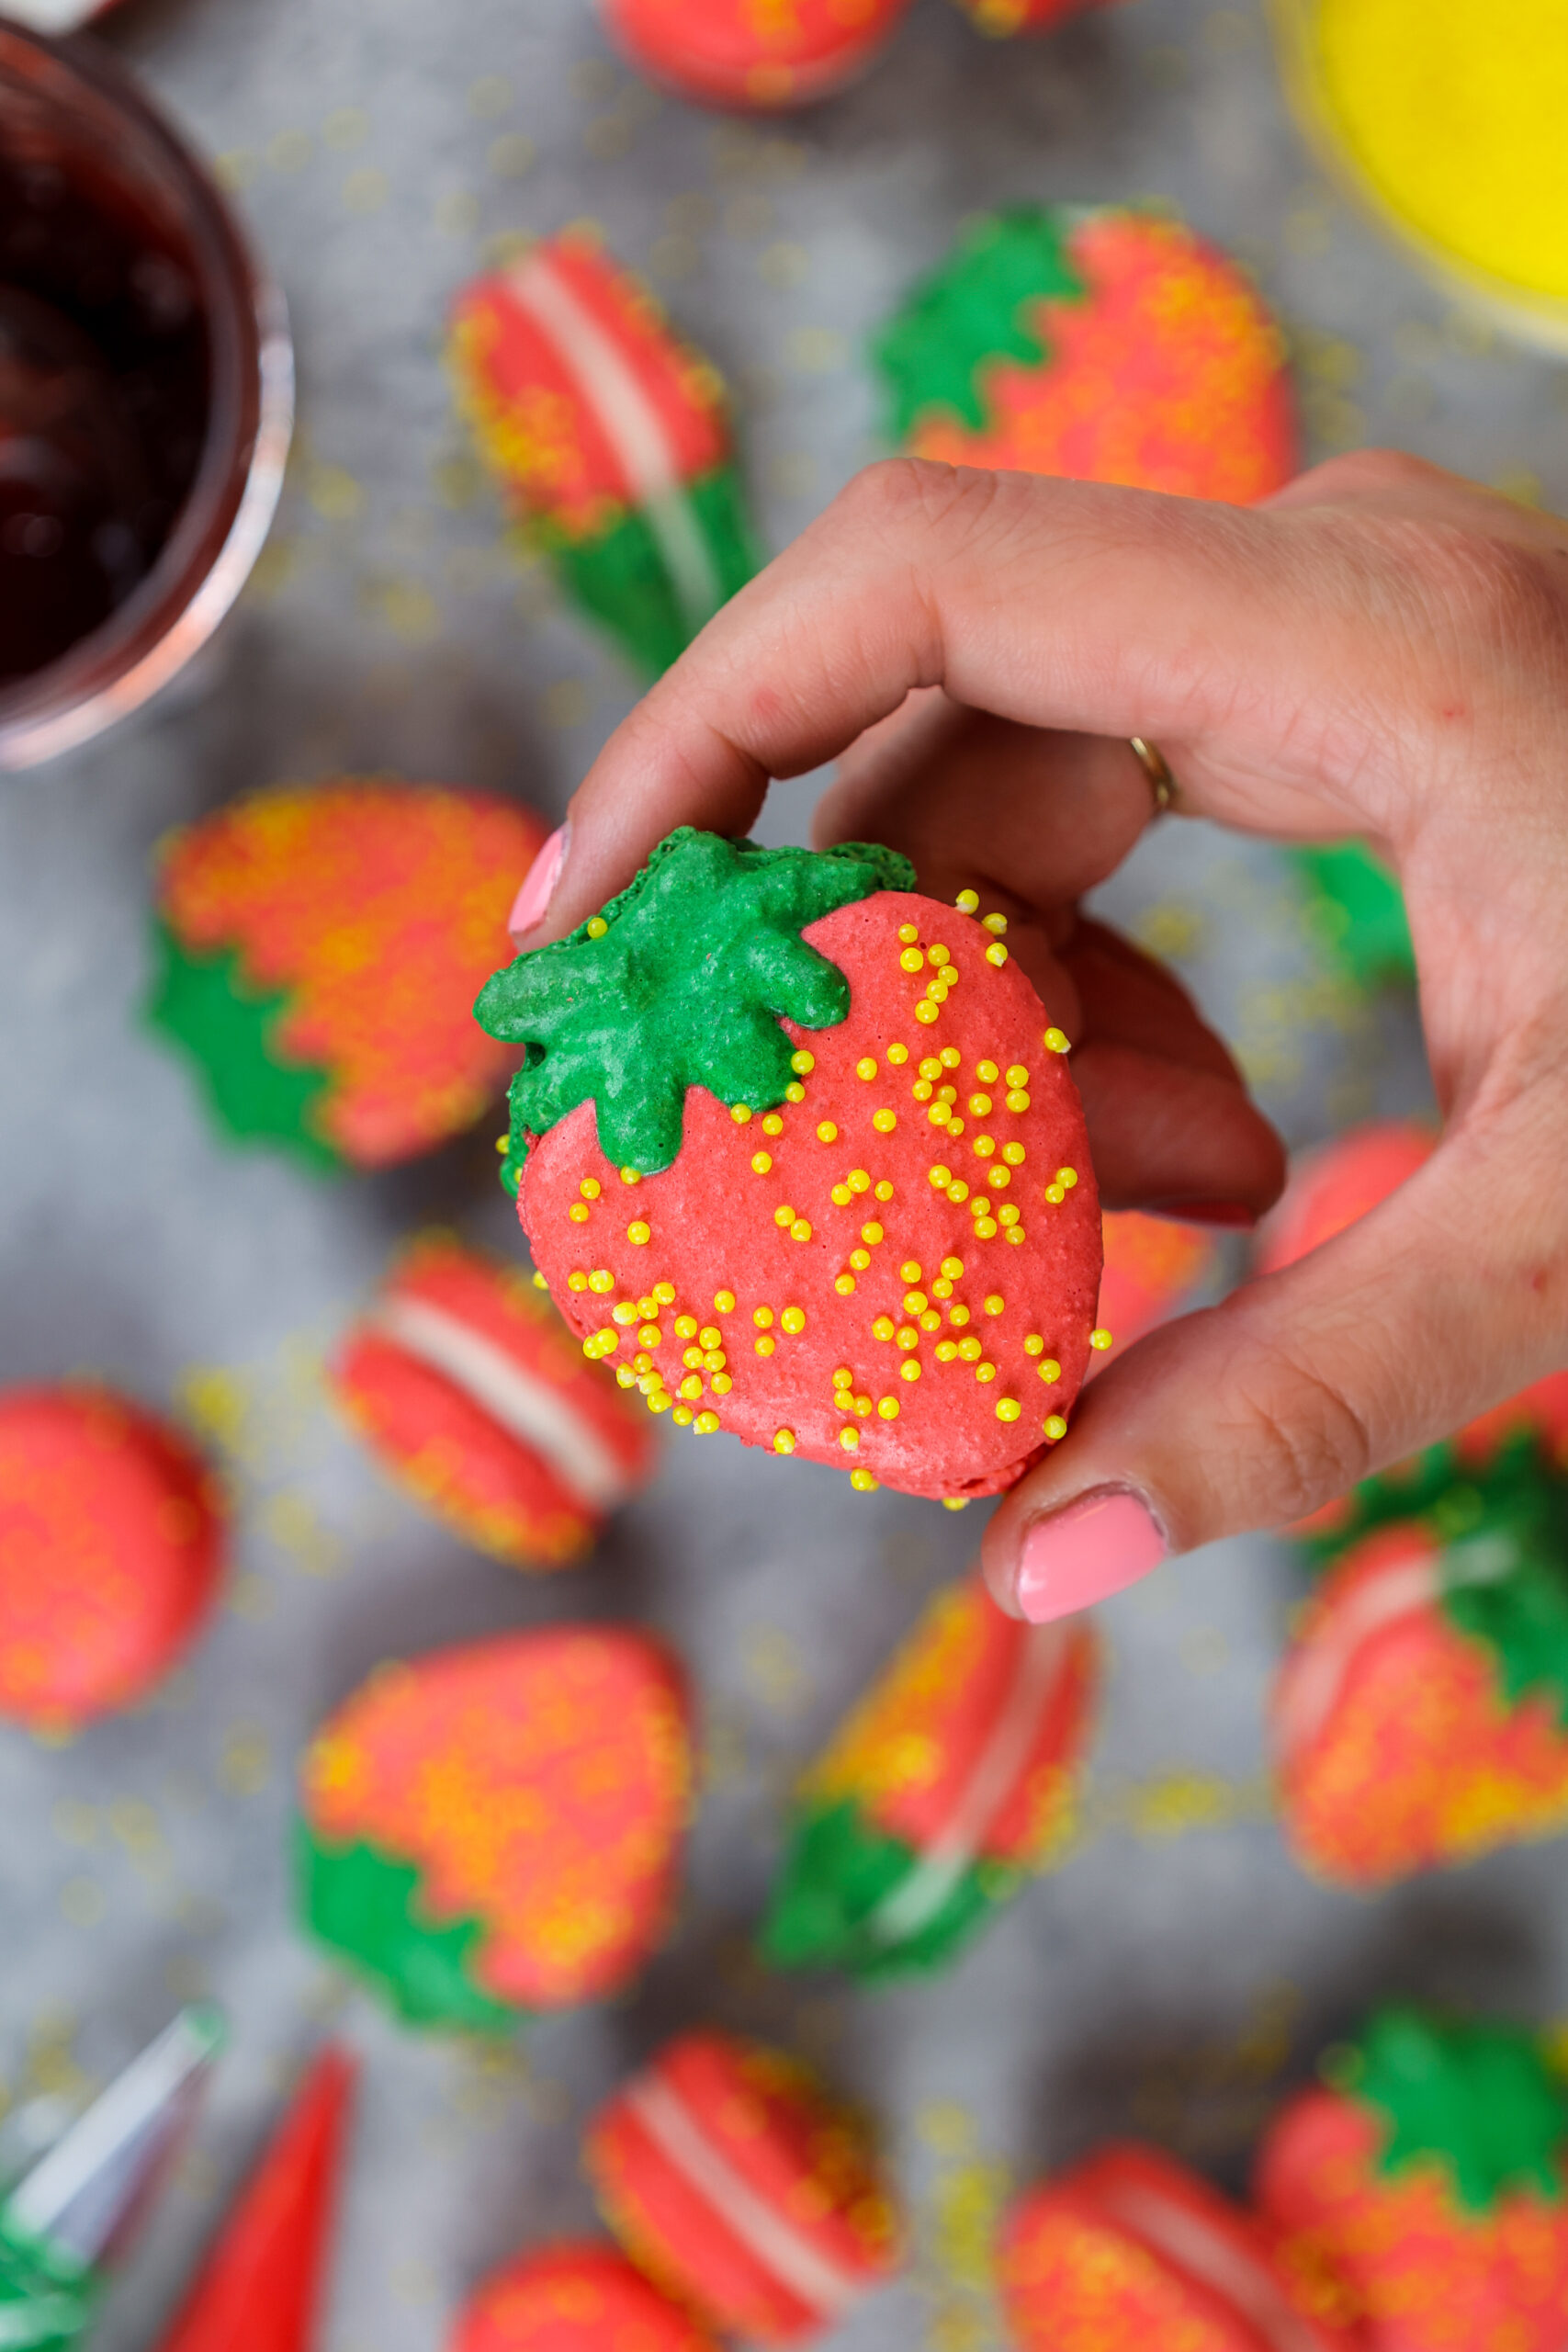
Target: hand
{"points": [[1380, 651]]}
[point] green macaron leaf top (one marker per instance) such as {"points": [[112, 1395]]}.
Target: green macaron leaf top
{"points": [[365, 1906], [229, 1030], [1358, 911], [1477, 2096], [980, 304], [833, 1902], [621, 579], [682, 980]]}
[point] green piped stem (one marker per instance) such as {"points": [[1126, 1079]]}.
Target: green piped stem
{"points": [[1478, 2095], [682, 980], [366, 1906], [1503, 1526], [229, 1030], [979, 305], [838, 1872], [622, 581]]}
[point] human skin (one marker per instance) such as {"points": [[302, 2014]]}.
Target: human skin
{"points": [[1381, 650]]}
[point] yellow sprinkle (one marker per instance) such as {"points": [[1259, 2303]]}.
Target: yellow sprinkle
{"points": [[929, 1318], [590, 1188], [1017, 1075], [939, 1114], [995, 1303], [951, 1057], [841, 1196], [997, 954], [577, 1213], [638, 1232], [685, 1327], [843, 1377], [793, 1318], [1055, 1193], [683, 1416], [1033, 1344], [859, 1181], [843, 1284], [783, 1213], [884, 1327], [1068, 1176], [941, 1287], [1017, 1099], [980, 1106], [740, 1112], [1101, 1339], [861, 1405], [504, 1143], [984, 1372], [955, 1502], [1008, 1214], [1055, 1427], [984, 1147], [996, 924], [909, 1271], [648, 1307], [908, 1337], [766, 1345], [665, 1293], [572, 1284], [1057, 1041], [723, 1301], [859, 1260], [871, 1234], [1008, 1408], [603, 1342], [763, 1317], [693, 1359], [601, 1279], [921, 1090], [631, 1176], [849, 1438], [645, 1364], [953, 1268], [911, 960], [969, 1348], [940, 955], [946, 1351], [661, 1401], [926, 1011], [862, 1482], [597, 926], [1014, 1154], [909, 1369], [986, 1228], [827, 1132], [795, 1092], [883, 1189], [897, 1055], [706, 1424], [722, 1384], [624, 1376], [958, 1191], [954, 1127], [802, 1063], [650, 1336], [967, 901], [1050, 1370], [889, 1407], [710, 1336], [866, 1066], [773, 1124], [998, 1179], [800, 1230], [624, 1311], [885, 1121], [940, 1176], [907, 932], [784, 1441]]}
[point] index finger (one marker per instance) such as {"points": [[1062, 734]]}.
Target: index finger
{"points": [[1241, 640]]}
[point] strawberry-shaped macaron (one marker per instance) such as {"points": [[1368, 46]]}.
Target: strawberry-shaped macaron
{"points": [[1153, 1266], [1420, 1716], [574, 2298], [954, 1779], [1130, 2251], [799, 1154], [728, 2174], [610, 439], [757, 57], [495, 1830], [470, 1389], [1428, 2175], [317, 951], [1104, 345], [111, 1547]]}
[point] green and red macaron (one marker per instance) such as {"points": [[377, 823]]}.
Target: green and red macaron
{"points": [[798, 1151], [493, 1831], [316, 952], [1130, 2250], [1428, 2175], [610, 439], [953, 1780], [468, 1385], [1420, 1715], [112, 1540], [1097, 342], [759, 59], [744, 2189], [574, 2298]]}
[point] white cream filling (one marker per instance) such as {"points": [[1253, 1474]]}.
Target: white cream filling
{"points": [[1310, 1685], [811, 2275], [916, 1900], [1210, 2256], [53, 15], [527, 1408], [632, 425]]}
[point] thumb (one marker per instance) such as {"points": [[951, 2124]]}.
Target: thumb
{"points": [[1255, 1412]]}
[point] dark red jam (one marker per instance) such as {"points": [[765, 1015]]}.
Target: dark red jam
{"points": [[103, 391]]}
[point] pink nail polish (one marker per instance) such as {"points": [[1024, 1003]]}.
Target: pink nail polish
{"points": [[533, 899], [1082, 1553]]}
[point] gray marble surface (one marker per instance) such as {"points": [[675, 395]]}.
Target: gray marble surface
{"points": [[1178, 1968]]}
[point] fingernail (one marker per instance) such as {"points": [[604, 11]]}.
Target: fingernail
{"points": [[1231, 1213], [1085, 1552], [532, 902]]}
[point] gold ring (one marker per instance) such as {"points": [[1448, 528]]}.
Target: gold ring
{"points": [[1152, 759]]}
